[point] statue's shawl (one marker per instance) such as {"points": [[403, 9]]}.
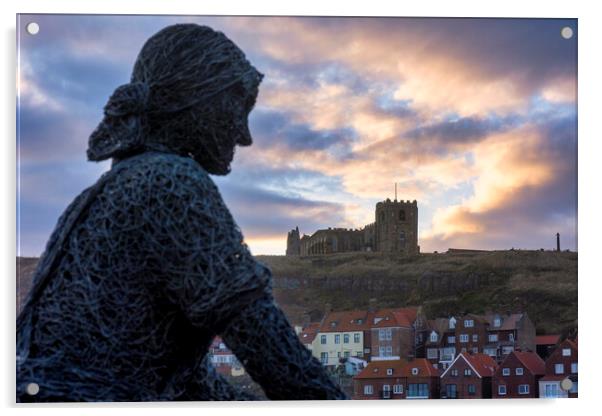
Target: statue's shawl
{"points": [[153, 230]]}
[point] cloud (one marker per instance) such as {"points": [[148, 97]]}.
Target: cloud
{"points": [[525, 192], [267, 214], [474, 118]]}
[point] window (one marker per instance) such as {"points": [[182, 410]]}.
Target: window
{"points": [[454, 372], [346, 354], [398, 388], [523, 389], [468, 323], [337, 339], [451, 340], [475, 338], [402, 215], [492, 337], [559, 368], [385, 334], [573, 387], [550, 390], [402, 239], [431, 353], [389, 371], [511, 337], [472, 389], [574, 368], [418, 390], [324, 358], [492, 352], [566, 352], [433, 336], [346, 339], [322, 339], [518, 371], [452, 322], [474, 350], [467, 372], [338, 354], [501, 390], [359, 354], [497, 322], [356, 338], [463, 337], [507, 350], [414, 371], [451, 391], [506, 372], [368, 389]]}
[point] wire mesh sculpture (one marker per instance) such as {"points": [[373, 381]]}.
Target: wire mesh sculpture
{"points": [[147, 266]]}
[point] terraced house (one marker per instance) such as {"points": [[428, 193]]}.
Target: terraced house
{"points": [[561, 365], [468, 377], [340, 334]]}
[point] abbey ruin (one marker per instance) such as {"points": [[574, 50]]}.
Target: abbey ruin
{"points": [[395, 230]]}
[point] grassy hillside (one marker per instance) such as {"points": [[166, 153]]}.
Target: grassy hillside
{"points": [[542, 283]]}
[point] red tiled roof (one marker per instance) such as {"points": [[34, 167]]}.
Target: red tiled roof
{"points": [[509, 322], [345, 321], [308, 334], [424, 366], [546, 339], [378, 369], [482, 363], [554, 377], [531, 361], [403, 317]]}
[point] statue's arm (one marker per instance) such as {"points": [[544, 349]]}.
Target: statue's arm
{"points": [[266, 344]]}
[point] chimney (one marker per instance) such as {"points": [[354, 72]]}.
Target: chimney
{"points": [[557, 241]]}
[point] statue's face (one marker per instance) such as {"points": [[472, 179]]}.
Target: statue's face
{"points": [[217, 152]]}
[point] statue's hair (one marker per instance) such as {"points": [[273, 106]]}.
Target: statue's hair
{"points": [[180, 91]]}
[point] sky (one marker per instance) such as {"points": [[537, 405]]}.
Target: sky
{"points": [[476, 119]]}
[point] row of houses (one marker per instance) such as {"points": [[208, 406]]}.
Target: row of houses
{"points": [[521, 374], [405, 333]]}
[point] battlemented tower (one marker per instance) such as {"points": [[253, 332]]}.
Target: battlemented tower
{"points": [[293, 243], [396, 229]]}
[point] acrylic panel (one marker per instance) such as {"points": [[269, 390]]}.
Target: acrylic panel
{"points": [[296, 208]]}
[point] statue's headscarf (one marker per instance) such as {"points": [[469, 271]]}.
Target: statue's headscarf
{"points": [[190, 92]]}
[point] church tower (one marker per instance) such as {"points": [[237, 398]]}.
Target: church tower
{"points": [[396, 227], [293, 243]]}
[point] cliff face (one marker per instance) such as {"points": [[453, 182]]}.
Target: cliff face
{"points": [[543, 284]]}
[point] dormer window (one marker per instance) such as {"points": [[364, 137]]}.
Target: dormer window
{"points": [[333, 324], [360, 321], [389, 371], [377, 320], [414, 371], [468, 323], [566, 352], [433, 336], [497, 322], [452, 323]]}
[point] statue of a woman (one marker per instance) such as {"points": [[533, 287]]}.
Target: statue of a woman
{"points": [[147, 266]]}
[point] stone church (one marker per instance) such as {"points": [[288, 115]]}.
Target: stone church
{"points": [[395, 230]]}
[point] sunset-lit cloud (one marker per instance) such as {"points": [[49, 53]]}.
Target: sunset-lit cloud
{"points": [[473, 118]]}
